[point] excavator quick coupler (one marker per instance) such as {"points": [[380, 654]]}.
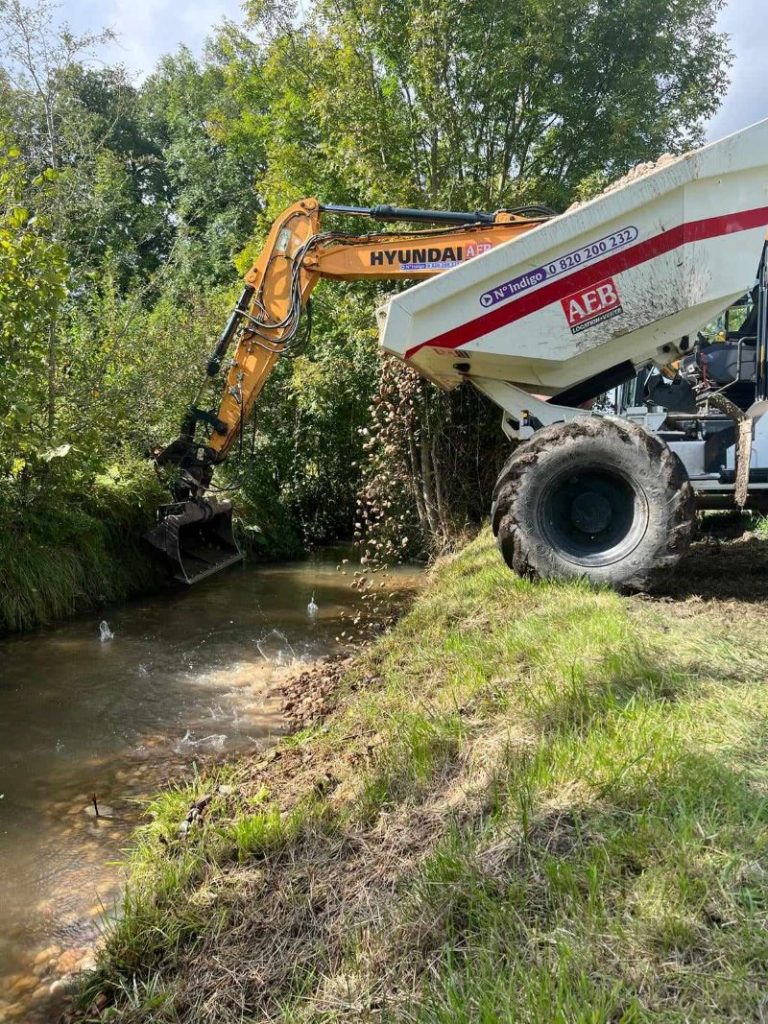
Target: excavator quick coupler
{"points": [[196, 535]]}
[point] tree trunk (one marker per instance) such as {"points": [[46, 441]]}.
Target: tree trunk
{"points": [[437, 476], [51, 405], [428, 484], [416, 482]]}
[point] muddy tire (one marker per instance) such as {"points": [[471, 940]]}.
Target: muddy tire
{"points": [[598, 498]]}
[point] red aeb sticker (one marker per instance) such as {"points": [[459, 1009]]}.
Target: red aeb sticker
{"points": [[592, 306]]}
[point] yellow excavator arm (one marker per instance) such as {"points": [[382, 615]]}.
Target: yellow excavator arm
{"points": [[266, 320], [297, 255]]}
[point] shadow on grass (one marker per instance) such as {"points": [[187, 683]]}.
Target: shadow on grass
{"points": [[717, 569]]}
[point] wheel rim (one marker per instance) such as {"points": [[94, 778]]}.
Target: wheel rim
{"points": [[592, 515]]}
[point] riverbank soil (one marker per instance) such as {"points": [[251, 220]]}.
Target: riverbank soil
{"points": [[528, 802]]}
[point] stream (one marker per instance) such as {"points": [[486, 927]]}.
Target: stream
{"points": [[185, 676]]}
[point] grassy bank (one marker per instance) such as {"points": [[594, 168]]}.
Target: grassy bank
{"points": [[76, 551], [536, 802]]}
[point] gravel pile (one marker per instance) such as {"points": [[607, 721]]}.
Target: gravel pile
{"points": [[636, 172], [310, 696]]}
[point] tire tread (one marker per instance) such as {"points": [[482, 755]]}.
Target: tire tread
{"points": [[521, 552]]}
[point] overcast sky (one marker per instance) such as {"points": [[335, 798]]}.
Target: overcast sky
{"points": [[747, 99], [148, 28]]}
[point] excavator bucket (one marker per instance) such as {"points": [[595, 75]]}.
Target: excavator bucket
{"points": [[197, 538]]}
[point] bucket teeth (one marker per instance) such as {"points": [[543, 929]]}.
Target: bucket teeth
{"points": [[196, 536]]}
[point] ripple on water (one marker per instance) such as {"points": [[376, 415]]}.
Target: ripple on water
{"points": [[186, 677]]}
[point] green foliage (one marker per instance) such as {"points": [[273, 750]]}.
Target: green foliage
{"points": [[309, 447], [32, 278], [76, 549], [199, 117], [126, 211], [487, 104]]}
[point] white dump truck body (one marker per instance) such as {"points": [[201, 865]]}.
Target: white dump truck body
{"points": [[624, 277]]}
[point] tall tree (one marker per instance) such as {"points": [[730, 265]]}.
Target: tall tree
{"points": [[469, 104], [35, 53], [32, 275], [486, 102], [201, 119]]}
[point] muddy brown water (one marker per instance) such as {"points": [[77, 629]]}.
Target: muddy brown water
{"points": [[187, 676]]}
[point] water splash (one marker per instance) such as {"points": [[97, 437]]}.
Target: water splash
{"points": [[312, 608], [215, 741], [185, 742], [274, 652], [105, 633]]}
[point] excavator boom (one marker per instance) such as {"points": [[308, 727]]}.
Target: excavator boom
{"points": [[193, 531]]}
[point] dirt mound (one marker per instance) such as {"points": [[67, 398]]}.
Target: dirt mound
{"points": [[311, 696], [720, 567]]}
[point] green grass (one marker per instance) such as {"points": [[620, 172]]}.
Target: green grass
{"points": [[77, 551], [548, 805], [760, 525]]}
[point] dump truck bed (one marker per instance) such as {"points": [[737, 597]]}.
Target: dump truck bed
{"points": [[621, 278]]}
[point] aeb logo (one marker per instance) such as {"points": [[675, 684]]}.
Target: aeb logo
{"points": [[592, 306]]}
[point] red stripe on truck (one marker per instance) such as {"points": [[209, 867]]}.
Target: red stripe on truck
{"points": [[666, 241]]}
